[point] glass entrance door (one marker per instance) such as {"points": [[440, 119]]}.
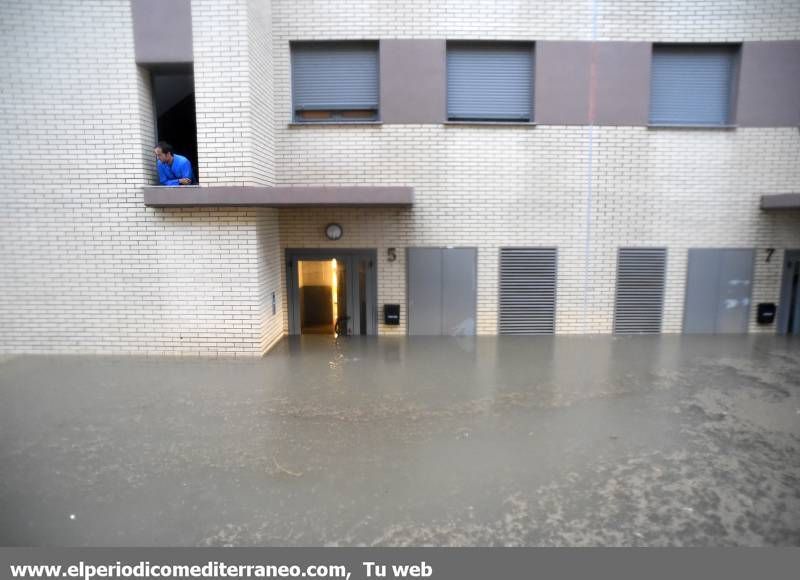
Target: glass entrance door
{"points": [[332, 293], [322, 287]]}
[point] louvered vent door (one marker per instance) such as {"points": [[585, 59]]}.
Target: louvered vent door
{"points": [[527, 291], [640, 290]]}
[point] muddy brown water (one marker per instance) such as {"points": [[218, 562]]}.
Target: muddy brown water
{"points": [[663, 440]]}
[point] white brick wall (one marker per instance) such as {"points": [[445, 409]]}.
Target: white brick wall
{"points": [[220, 43], [260, 84], [698, 21], [269, 279], [493, 187], [496, 186], [87, 268], [648, 20], [232, 44]]}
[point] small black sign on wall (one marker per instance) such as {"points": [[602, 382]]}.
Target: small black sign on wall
{"points": [[391, 314], [765, 313]]}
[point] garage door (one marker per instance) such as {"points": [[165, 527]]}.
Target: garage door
{"points": [[718, 290], [442, 291]]}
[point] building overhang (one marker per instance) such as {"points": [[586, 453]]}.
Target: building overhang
{"points": [[780, 201], [281, 196]]}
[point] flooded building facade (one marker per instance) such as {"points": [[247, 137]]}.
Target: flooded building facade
{"points": [[456, 167]]}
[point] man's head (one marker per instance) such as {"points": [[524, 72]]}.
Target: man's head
{"points": [[164, 152]]}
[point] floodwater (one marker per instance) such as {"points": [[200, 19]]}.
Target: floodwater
{"points": [[644, 441]]}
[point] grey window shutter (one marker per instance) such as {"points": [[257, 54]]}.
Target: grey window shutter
{"points": [[640, 290], [335, 76], [527, 291], [490, 81], [691, 85]]}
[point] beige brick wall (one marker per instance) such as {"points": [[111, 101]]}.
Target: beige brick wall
{"points": [[261, 153], [85, 266], [693, 21], [232, 44], [665, 21], [269, 279], [220, 45], [490, 187]]}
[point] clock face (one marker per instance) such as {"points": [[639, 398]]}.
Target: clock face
{"points": [[333, 231]]}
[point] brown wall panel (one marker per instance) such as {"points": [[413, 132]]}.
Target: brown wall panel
{"points": [[162, 31], [623, 83], [413, 81], [769, 84], [566, 79], [562, 83]]}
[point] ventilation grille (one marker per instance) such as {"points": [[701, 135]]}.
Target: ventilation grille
{"points": [[527, 290], [640, 290]]}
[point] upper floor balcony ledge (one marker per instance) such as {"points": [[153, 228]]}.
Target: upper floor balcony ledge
{"points": [[781, 201], [278, 196]]}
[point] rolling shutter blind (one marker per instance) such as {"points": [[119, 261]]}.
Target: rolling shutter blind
{"points": [[490, 82], [640, 290], [527, 290], [691, 85], [335, 76]]}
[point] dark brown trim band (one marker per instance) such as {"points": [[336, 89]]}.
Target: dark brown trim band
{"points": [[162, 31], [780, 201], [277, 196]]}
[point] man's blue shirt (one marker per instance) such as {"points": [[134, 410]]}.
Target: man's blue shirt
{"points": [[170, 174]]}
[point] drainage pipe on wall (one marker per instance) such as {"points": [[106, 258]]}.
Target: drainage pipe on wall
{"points": [[587, 281]]}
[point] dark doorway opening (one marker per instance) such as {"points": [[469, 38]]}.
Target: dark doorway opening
{"points": [[789, 305], [176, 118]]}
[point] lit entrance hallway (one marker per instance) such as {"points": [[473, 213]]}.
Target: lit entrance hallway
{"points": [[666, 440]]}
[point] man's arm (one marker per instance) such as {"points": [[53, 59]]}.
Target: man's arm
{"points": [[163, 178], [183, 172]]}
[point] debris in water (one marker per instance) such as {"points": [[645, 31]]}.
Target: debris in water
{"points": [[281, 468]]}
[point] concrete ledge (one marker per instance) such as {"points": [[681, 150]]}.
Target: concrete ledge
{"points": [[781, 201], [194, 196]]}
